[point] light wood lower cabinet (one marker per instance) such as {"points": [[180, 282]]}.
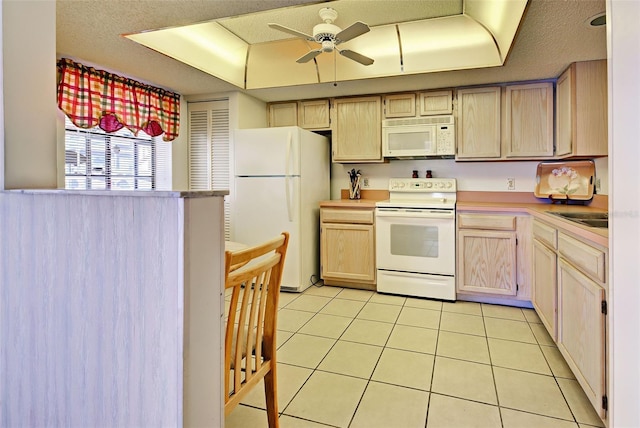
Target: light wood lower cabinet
{"points": [[347, 243], [545, 288], [494, 254], [582, 309]]}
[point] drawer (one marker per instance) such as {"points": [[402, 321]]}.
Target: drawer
{"points": [[588, 259], [340, 215], [487, 221], [545, 233]]}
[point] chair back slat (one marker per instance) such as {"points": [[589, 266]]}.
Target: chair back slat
{"points": [[254, 275]]}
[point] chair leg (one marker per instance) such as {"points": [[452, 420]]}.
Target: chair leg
{"points": [[271, 395]]}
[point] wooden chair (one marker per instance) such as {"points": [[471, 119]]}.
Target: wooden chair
{"points": [[254, 275]]}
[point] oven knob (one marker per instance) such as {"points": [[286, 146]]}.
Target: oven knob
{"points": [[429, 185], [443, 200], [448, 185]]}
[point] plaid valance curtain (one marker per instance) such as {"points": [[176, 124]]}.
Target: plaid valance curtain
{"points": [[91, 97]]}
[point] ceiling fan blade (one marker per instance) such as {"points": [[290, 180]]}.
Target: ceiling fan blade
{"points": [[309, 56], [351, 32], [292, 31], [364, 60]]}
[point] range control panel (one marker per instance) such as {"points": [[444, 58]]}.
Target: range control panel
{"points": [[422, 185]]}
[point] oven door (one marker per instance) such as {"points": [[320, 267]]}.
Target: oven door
{"points": [[416, 240]]}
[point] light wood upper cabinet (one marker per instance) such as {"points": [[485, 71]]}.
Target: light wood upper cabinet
{"points": [[528, 126], [399, 105], [313, 114], [283, 114], [357, 129], [435, 102], [478, 124], [347, 247], [581, 110]]}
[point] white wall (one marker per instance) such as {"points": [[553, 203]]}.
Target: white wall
{"points": [[180, 151], [474, 176], [1, 106], [29, 80], [623, 42], [246, 112]]}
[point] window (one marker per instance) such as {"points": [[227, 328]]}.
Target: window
{"points": [[95, 159]]}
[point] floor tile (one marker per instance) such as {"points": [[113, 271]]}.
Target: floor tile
{"points": [[531, 316], [449, 412], [286, 298], [328, 398], [414, 302], [388, 299], [351, 359], [369, 332], [461, 307], [292, 320], [355, 294], [325, 291], [326, 326], [505, 312], [282, 337], [556, 361], [291, 422], [530, 392], [541, 334], [509, 330], [462, 323], [417, 317], [413, 339], [517, 355], [517, 419], [304, 351], [244, 416], [404, 368], [464, 379], [463, 347], [379, 312], [290, 380], [386, 406], [309, 303], [343, 307], [579, 403]]}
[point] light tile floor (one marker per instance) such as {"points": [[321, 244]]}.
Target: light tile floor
{"points": [[355, 358]]}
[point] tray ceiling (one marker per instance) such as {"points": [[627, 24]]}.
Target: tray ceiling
{"points": [[245, 52]]}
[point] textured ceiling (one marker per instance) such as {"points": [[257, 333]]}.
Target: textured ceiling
{"points": [[552, 35]]}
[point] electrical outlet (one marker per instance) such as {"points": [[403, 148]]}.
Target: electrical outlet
{"points": [[365, 182], [511, 184], [598, 188]]}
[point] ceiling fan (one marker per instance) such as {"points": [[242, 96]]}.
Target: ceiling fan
{"points": [[329, 36]]}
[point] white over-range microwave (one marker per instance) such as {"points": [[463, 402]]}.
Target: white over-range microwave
{"points": [[418, 137]]}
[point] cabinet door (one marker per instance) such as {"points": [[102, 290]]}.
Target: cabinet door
{"points": [[348, 252], [487, 262], [357, 135], [545, 289], [435, 102], [400, 105], [313, 114], [581, 331], [478, 123], [529, 120], [564, 113], [283, 114]]}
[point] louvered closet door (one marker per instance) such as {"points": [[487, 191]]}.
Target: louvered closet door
{"points": [[209, 162]]}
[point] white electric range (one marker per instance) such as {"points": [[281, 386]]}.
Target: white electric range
{"points": [[415, 238]]}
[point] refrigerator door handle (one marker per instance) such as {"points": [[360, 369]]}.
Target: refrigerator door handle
{"points": [[287, 178]]}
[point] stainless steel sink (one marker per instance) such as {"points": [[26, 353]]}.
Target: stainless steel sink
{"points": [[591, 219]]}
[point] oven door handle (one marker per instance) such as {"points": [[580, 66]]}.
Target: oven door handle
{"points": [[414, 213]]}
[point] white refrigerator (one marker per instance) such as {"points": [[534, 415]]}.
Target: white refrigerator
{"points": [[281, 175]]}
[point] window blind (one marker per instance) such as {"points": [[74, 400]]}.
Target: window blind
{"points": [[121, 160]]}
